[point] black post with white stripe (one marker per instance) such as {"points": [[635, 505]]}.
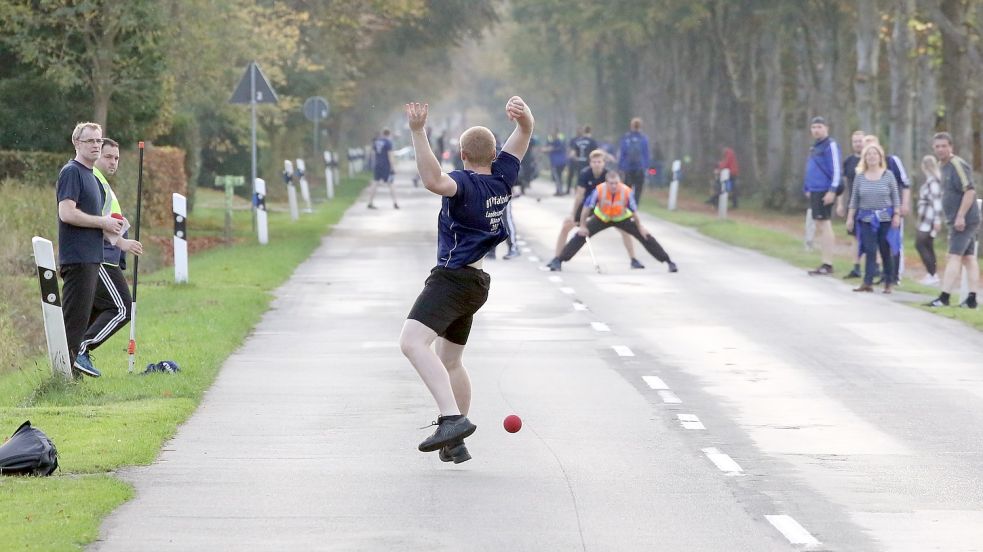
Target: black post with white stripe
{"points": [[54, 320]]}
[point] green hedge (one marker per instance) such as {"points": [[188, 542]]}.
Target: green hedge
{"points": [[33, 167]]}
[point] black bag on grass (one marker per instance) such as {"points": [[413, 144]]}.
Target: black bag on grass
{"points": [[28, 452]]}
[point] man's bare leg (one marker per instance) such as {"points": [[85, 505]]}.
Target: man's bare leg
{"points": [[561, 241], [372, 189], [415, 341], [953, 269], [451, 355], [629, 243], [972, 267], [826, 240]]}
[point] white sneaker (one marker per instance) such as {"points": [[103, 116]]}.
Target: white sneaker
{"points": [[929, 280]]}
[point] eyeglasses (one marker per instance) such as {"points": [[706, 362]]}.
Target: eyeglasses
{"points": [[91, 141]]}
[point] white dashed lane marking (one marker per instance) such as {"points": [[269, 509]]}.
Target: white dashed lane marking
{"points": [[669, 397], [555, 279], [690, 421], [795, 533], [533, 259], [655, 382], [567, 290], [578, 306], [723, 462], [622, 351], [600, 326]]}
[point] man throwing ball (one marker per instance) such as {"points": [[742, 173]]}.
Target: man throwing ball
{"points": [[470, 223]]}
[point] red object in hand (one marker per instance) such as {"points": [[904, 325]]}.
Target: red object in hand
{"points": [[118, 216], [512, 423]]}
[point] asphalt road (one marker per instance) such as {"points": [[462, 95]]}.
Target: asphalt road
{"points": [[738, 405]]}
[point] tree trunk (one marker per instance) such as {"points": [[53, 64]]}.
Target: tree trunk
{"points": [[926, 116], [868, 48], [955, 82], [771, 67], [900, 67]]}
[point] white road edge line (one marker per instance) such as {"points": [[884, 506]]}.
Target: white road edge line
{"points": [[567, 290], [723, 462], [795, 533], [655, 382], [555, 279], [578, 306], [600, 326], [622, 351], [533, 259], [669, 397], [690, 421]]}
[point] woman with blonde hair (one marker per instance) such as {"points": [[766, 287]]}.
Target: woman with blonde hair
{"points": [[875, 207], [929, 217]]}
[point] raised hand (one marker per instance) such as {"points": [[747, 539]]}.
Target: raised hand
{"points": [[517, 110], [417, 115]]}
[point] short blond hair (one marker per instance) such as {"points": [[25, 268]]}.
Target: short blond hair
{"points": [[598, 153], [636, 123], [77, 133], [862, 165], [478, 146]]}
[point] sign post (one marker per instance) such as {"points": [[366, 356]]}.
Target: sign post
{"points": [[180, 208], [54, 320], [253, 88], [674, 185]]}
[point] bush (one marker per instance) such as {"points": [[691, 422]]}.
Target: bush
{"points": [[32, 167]]}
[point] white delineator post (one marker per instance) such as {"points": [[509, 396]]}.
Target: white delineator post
{"points": [[54, 320], [674, 185], [329, 173], [288, 178], [305, 188], [259, 200], [964, 285], [180, 204], [351, 162], [722, 199]]}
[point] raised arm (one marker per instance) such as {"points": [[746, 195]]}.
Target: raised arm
{"points": [[518, 142], [433, 178]]}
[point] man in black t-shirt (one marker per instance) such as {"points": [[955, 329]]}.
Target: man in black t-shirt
{"points": [[80, 234], [580, 148], [849, 173]]}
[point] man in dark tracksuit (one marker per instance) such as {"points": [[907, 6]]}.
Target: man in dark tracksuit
{"points": [[822, 180]]}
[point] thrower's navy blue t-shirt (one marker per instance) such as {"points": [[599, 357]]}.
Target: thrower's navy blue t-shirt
{"points": [[382, 147], [472, 221], [76, 244]]}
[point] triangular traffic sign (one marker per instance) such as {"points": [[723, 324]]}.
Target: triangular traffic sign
{"points": [[264, 92]]}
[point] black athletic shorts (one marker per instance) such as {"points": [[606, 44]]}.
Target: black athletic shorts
{"points": [[820, 211], [449, 299], [635, 178]]}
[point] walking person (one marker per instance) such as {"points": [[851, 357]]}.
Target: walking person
{"points": [[929, 218], [112, 303], [383, 161], [468, 226], [612, 204], [633, 157], [81, 224], [897, 168], [962, 215], [875, 213], [822, 180]]}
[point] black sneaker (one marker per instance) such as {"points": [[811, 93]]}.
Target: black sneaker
{"points": [[673, 267], [636, 264], [823, 270], [456, 453], [395, 205], [554, 265], [83, 363], [370, 206], [937, 302], [853, 274], [448, 431], [967, 304], [513, 253]]}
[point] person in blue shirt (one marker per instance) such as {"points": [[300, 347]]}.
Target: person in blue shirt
{"points": [[820, 184], [470, 223], [558, 159], [382, 166], [633, 157], [81, 224]]}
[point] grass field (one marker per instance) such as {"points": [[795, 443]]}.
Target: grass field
{"points": [[781, 235], [100, 425]]}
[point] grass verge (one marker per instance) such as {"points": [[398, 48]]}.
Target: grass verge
{"points": [[772, 233], [122, 419]]}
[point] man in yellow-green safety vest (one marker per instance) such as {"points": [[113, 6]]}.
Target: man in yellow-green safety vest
{"points": [[111, 308], [612, 203]]}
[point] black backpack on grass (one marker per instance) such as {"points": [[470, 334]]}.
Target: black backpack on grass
{"points": [[28, 452]]}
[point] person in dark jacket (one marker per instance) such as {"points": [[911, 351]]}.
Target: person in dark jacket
{"points": [[821, 182]]}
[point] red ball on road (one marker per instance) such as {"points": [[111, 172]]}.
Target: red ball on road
{"points": [[512, 423]]}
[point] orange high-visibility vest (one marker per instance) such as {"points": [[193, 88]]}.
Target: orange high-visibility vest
{"points": [[612, 205]]}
